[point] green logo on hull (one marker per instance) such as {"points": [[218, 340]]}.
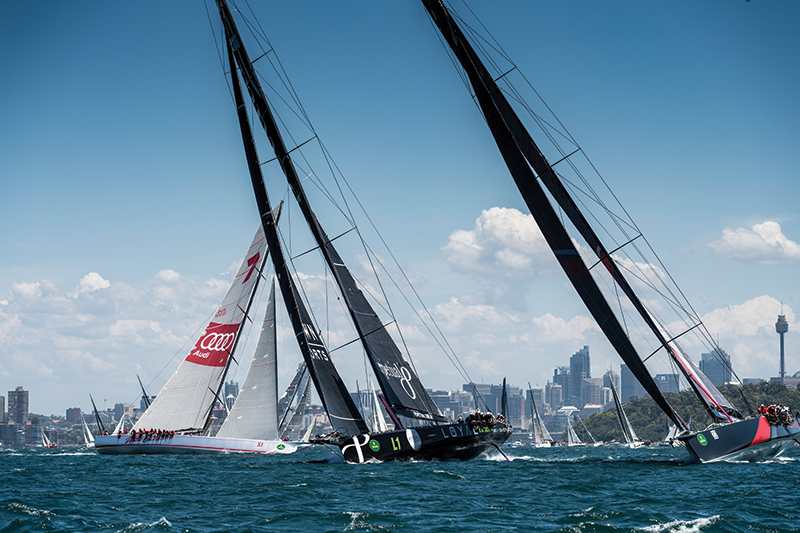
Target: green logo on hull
{"points": [[281, 446], [374, 446], [702, 440]]}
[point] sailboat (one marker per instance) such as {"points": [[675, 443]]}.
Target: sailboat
{"points": [[179, 418], [594, 441], [46, 442], [623, 270], [540, 437], [571, 438], [420, 431], [628, 434], [88, 438]]}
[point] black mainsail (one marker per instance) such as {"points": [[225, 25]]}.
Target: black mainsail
{"points": [[525, 162], [342, 411], [398, 380]]}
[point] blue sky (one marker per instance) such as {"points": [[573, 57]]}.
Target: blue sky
{"points": [[126, 203]]}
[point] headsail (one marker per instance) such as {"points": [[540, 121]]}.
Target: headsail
{"points": [[624, 424], [255, 413], [343, 414], [525, 163], [185, 402], [294, 413], [504, 401], [398, 380]]}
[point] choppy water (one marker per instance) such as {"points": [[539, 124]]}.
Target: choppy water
{"points": [[606, 489]]}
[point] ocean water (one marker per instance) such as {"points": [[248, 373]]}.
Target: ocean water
{"points": [[605, 489]]}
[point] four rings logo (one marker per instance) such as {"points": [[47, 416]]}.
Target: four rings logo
{"points": [[214, 346]]}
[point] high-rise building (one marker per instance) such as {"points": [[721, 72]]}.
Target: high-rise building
{"points": [[717, 366], [18, 406], [554, 394], [2, 410], [629, 385], [667, 382], [579, 368], [73, 415], [231, 389], [591, 391], [561, 377], [612, 377]]}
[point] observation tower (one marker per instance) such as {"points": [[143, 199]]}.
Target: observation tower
{"points": [[782, 326]]}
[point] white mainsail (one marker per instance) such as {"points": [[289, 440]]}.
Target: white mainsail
{"points": [[572, 437], [255, 413], [186, 400], [88, 438]]}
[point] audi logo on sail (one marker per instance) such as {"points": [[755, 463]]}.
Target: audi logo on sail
{"points": [[213, 347], [217, 341]]}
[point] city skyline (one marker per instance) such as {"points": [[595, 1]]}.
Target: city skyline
{"points": [[126, 197]]}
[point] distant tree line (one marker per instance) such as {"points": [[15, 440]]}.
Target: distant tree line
{"points": [[650, 423]]}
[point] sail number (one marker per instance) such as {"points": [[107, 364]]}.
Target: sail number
{"points": [[252, 262]]}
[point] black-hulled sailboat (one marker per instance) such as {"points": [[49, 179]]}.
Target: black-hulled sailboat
{"points": [[421, 432], [731, 434]]}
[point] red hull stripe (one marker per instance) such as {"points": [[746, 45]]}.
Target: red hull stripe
{"points": [[763, 432]]}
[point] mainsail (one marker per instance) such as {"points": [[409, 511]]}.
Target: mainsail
{"points": [[255, 413], [624, 424], [185, 402], [341, 409], [295, 412], [398, 380], [572, 438], [526, 162], [538, 429]]}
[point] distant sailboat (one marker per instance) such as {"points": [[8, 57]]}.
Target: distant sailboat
{"points": [[540, 437], [557, 197], [88, 438], [594, 442], [46, 443], [571, 438], [628, 434]]}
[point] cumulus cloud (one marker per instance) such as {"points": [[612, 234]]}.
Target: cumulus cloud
{"points": [[505, 243], [93, 282], [764, 243], [64, 344]]}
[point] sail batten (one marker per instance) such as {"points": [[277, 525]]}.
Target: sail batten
{"points": [[398, 381], [522, 157], [185, 402], [255, 413], [343, 414]]}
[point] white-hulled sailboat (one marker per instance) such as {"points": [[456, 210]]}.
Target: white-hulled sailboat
{"points": [[179, 418]]}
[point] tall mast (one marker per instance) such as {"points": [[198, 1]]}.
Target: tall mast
{"points": [[398, 380], [516, 145], [343, 414]]}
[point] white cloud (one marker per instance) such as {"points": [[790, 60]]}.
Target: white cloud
{"points": [[747, 332], [764, 243], [168, 275], [64, 344], [505, 244], [93, 282]]}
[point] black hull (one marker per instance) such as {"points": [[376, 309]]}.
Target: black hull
{"points": [[748, 440], [450, 442]]}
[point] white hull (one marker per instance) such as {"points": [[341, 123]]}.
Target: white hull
{"points": [[191, 444]]}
